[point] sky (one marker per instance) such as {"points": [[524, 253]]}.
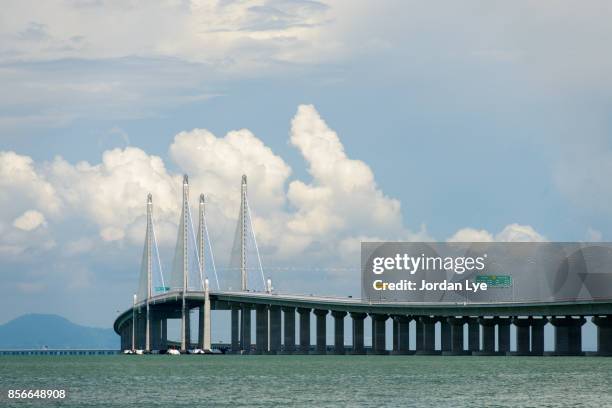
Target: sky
{"points": [[354, 120]]}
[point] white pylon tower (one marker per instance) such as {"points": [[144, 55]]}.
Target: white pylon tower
{"points": [[205, 316], [207, 334], [149, 268], [185, 232], [243, 233]]}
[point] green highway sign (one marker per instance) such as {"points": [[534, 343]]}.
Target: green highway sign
{"points": [[162, 288], [495, 281]]}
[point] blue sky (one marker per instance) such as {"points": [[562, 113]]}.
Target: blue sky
{"points": [[488, 119]]}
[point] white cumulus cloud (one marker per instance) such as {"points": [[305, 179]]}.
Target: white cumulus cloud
{"points": [[29, 220]]}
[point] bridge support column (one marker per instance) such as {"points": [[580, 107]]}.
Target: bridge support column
{"points": [[358, 319], [379, 324], [245, 329], [338, 331], [201, 326], [445, 336], [604, 335], [419, 335], [155, 331], [304, 330], [164, 332], [395, 331], [187, 328], [235, 329], [503, 335], [522, 335], [473, 335], [426, 339], [568, 335], [401, 335], [456, 324], [537, 336], [289, 330], [488, 337], [321, 331], [261, 321], [141, 326], [275, 330]]}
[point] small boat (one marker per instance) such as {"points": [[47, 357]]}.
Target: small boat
{"points": [[128, 352], [196, 351], [139, 352], [173, 352]]}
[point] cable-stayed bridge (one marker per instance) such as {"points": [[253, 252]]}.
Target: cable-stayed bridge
{"points": [[194, 284]]}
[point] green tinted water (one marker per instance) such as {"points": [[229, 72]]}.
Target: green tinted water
{"points": [[311, 381]]}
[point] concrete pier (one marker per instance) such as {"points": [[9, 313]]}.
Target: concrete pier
{"points": [[261, 329], [235, 329], [568, 335], [164, 332], [379, 325], [537, 336], [187, 329], [201, 326], [473, 335], [289, 330], [503, 335], [456, 325], [426, 336], [488, 336], [523, 326], [275, 330], [604, 335], [304, 330], [338, 332], [358, 318], [445, 336], [321, 316], [401, 338], [155, 331], [245, 328]]}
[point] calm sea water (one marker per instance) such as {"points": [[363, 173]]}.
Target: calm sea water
{"points": [[311, 381]]}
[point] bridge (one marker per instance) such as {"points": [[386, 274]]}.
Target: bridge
{"points": [[145, 325]]}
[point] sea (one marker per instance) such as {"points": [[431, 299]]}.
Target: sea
{"points": [[308, 381]]}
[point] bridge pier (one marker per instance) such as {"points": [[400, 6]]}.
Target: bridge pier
{"points": [[503, 335], [537, 336], [201, 326], [261, 329], [275, 330], [358, 318], [187, 328], [522, 335], [426, 335], [456, 325], [379, 340], [338, 331], [289, 330], [445, 335], [304, 330], [604, 335], [473, 335], [401, 335], [141, 327], [164, 332], [155, 331], [488, 337], [568, 335], [235, 329], [321, 315], [245, 328]]}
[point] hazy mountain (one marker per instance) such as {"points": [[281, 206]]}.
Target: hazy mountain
{"points": [[34, 331]]}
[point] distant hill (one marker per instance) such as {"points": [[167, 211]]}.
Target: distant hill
{"points": [[35, 331]]}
